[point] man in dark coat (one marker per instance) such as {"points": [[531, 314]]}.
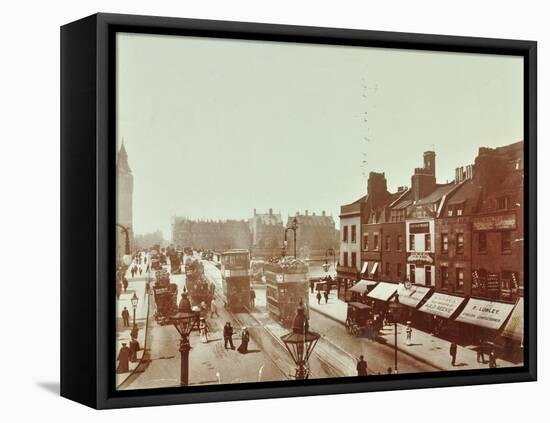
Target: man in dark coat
{"points": [[361, 367], [228, 335], [134, 348], [325, 294], [452, 351], [125, 317], [123, 359], [318, 296], [311, 286], [125, 283]]}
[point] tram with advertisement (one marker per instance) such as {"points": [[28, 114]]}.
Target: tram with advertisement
{"points": [[196, 284], [286, 286], [235, 270], [165, 295]]}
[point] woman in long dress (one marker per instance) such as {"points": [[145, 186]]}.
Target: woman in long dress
{"points": [[245, 339]]}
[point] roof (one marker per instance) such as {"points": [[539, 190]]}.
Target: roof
{"points": [[436, 195]]}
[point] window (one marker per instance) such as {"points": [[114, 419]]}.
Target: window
{"points": [[506, 241], [449, 211], [345, 259], [460, 243], [412, 273], [353, 234], [428, 275], [399, 243], [502, 203], [399, 270], [444, 243], [411, 242], [506, 280], [376, 242], [353, 259], [444, 277], [366, 242], [345, 234], [427, 242], [388, 243], [459, 211], [482, 242], [387, 268], [459, 279]]}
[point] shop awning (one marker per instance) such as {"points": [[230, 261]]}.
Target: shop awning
{"points": [[374, 268], [365, 267], [413, 295], [485, 313], [362, 286], [383, 291], [514, 327], [442, 305]]}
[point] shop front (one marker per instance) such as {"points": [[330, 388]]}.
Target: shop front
{"points": [[511, 336], [359, 291], [438, 309], [412, 296], [381, 294], [484, 319]]}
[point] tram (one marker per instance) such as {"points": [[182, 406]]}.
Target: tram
{"points": [[286, 285], [235, 269], [196, 284], [165, 294]]}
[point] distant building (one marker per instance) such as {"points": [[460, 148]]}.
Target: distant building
{"points": [[215, 235], [267, 234], [315, 235], [143, 241], [125, 191]]}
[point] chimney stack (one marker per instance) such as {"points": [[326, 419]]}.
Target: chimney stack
{"points": [[270, 211], [254, 212]]}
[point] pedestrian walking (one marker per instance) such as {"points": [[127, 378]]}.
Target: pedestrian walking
{"points": [[134, 348], [213, 309], [318, 297], [125, 317], [140, 270], [409, 331], [492, 360], [325, 294], [147, 269], [203, 330], [245, 339], [118, 290], [252, 298], [311, 286], [123, 359], [452, 351], [132, 271], [228, 335], [361, 366], [480, 352], [125, 283]]}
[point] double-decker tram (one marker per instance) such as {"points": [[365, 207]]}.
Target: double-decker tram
{"points": [[196, 284], [286, 285], [235, 269]]}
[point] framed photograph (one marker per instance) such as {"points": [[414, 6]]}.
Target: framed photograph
{"points": [[258, 211]]}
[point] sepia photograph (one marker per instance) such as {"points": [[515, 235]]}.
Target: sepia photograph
{"points": [[291, 211]]}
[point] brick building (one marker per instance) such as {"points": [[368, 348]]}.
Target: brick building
{"points": [[267, 234], [314, 236]]}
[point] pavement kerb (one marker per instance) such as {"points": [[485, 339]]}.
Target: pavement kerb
{"points": [[141, 360], [403, 351]]}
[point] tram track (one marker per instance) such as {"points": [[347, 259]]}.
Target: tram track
{"points": [[323, 368]]}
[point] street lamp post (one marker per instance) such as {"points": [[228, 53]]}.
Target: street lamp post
{"points": [[395, 309], [184, 321], [300, 342], [134, 301], [292, 228]]}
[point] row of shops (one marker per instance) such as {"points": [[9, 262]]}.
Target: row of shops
{"points": [[463, 319]]}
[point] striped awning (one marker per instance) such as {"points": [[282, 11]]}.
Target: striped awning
{"points": [[514, 327]]}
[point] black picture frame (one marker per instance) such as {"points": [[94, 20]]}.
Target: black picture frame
{"points": [[88, 201]]}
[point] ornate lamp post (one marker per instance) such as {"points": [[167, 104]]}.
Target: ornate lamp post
{"points": [[127, 258], [300, 342], [134, 300], [184, 321], [292, 228], [395, 310]]}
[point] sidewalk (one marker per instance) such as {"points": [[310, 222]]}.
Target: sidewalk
{"points": [[424, 347], [135, 285]]}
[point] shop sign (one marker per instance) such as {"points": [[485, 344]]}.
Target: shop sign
{"points": [[442, 305], [485, 313], [420, 256], [419, 228], [489, 223]]}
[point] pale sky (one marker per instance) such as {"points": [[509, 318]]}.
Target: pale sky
{"points": [[215, 128]]}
